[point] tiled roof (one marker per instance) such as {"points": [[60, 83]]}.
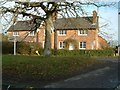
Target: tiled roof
{"points": [[75, 23], [62, 23], [23, 25]]}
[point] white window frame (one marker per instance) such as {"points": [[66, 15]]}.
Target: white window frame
{"points": [[62, 32], [31, 33], [83, 43], [82, 32], [15, 33], [61, 43]]}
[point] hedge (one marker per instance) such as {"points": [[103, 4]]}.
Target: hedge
{"points": [[86, 53], [7, 48], [30, 48], [21, 48]]}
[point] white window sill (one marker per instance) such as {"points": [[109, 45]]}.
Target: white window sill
{"points": [[61, 34], [61, 48], [82, 34], [31, 35], [15, 35]]}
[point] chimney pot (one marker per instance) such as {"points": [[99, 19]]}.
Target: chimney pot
{"points": [[94, 17]]}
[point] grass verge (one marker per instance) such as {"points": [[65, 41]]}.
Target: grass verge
{"points": [[38, 70]]}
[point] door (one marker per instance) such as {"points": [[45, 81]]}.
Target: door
{"points": [[71, 46]]}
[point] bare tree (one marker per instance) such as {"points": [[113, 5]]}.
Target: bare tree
{"points": [[45, 11]]}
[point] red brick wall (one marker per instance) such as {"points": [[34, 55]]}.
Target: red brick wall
{"points": [[22, 35], [71, 34], [102, 43]]}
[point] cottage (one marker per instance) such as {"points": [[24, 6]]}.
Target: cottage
{"points": [[70, 33]]}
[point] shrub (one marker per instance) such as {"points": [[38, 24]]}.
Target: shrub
{"points": [[35, 46], [86, 53], [23, 48], [7, 47]]}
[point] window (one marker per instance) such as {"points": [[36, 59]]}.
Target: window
{"points": [[62, 32], [15, 33], [82, 45], [61, 45], [31, 33], [82, 32]]}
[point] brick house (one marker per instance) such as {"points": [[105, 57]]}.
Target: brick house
{"points": [[80, 32]]}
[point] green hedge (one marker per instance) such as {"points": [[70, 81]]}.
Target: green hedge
{"points": [[7, 47], [30, 49], [86, 53], [21, 48], [82, 53]]}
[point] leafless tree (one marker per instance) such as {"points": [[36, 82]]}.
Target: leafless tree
{"points": [[45, 11]]}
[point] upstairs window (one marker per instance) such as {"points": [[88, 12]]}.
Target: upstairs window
{"points": [[15, 33], [31, 33], [82, 32], [62, 32], [82, 45]]}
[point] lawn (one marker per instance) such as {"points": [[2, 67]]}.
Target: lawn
{"points": [[26, 71]]}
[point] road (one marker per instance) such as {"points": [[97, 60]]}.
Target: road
{"points": [[106, 77]]}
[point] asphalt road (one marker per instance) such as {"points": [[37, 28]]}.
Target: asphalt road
{"points": [[107, 77]]}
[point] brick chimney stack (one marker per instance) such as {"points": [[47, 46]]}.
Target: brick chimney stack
{"points": [[94, 17]]}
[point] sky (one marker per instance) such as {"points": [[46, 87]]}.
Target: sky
{"points": [[108, 16]]}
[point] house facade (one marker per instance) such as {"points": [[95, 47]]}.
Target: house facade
{"points": [[70, 33]]}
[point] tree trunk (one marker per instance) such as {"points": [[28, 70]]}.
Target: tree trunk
{"points": [[55, 42], [48, 29]]}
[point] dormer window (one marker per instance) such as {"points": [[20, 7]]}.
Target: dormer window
{"points": [[82, 32], [62, 32], [31, 33]]}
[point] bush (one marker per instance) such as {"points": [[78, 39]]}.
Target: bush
{"points": [[30, 49], [7, 47], [23, 48], [35, 47], [86, 53], [26, 48]]}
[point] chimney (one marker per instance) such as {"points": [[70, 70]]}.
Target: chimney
{"points": [[94, 17]]}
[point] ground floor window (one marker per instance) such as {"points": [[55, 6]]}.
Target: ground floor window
{"points": [[61, 45], [82, 45]]}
